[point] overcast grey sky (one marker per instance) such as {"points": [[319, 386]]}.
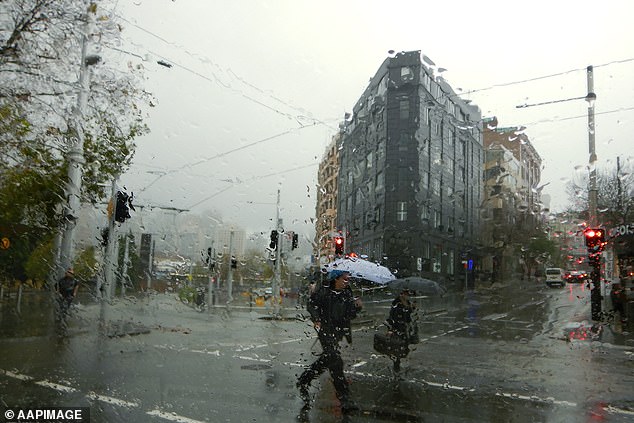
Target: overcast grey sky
{"points": [[257, 88]]}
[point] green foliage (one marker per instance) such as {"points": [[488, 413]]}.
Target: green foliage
{"points": [[24, 240], [40, 263], [85, 265], [186, 294], [36, 128], [540, 250]]}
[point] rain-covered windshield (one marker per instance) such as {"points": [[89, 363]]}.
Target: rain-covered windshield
{"points": [[316, 211]]}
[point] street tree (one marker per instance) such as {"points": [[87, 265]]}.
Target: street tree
{"points": [[40, 61], [615, 195]]}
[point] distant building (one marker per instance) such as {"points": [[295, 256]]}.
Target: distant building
{"points": [[410, 175], [326, 207], [512, 209], [224, 241]]}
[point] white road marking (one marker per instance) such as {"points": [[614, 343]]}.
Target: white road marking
{"points": [[16, 375], [172, 417], [615, 410], [111, 400], [56, 386], [103, 398]]}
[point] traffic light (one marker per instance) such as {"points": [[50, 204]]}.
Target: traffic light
{"points": [[595, 238], [339, 245], [273, 244], [105, 236], [295, 241], [123, 207], [234, 263]]}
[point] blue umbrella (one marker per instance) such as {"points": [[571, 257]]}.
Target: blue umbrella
{"points": [[420, 285], [362, 269]]}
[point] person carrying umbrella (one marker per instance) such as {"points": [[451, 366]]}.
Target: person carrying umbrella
{"points": [[331, 308], [399, 321]]}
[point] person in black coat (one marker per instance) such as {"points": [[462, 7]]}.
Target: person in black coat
{"points": [[332, 307], [399, 321], [66, 289]]}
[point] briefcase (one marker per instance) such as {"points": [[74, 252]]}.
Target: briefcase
{"points": [[393, 345]]}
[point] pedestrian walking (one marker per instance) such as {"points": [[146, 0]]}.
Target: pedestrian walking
{"points": [[332, 308], [399, 322], [618, 297], [66, 289]]}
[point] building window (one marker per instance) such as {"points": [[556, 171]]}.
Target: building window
{"points": [[437, 259], [401, 211], [435, 185], [406, 73], [380, 181], [380, 150], [451, 262], [404, 108], [424, 180], [424, 215]]}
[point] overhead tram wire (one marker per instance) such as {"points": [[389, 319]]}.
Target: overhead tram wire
{"points": [[623, 109], [186, 166], [229, 71], [252, 179], [537, 78]]}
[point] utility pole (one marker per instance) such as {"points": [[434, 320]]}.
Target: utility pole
{"points": [[277, 280], [595, 257], [230, 271], [597, 290], [211, 266], [105, 291], [124, 267], [75, 153], [592, 182]]}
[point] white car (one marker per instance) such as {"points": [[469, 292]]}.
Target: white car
{"points": [[555, 276]]}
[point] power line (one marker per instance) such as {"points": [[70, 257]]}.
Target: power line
{"points": [[252, 179], [622, 109], [552, 75], [230, 72], [205, 160]]}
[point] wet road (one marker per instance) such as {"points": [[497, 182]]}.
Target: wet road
{"points": [[521, 353]]}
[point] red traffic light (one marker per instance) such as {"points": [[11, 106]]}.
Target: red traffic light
{"points": [[338, 245], [595, 237]]}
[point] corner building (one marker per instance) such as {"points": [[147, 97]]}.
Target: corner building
{"points": [[410, 177]]}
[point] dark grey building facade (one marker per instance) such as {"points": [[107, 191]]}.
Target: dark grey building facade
{"points": [[410, 178]]}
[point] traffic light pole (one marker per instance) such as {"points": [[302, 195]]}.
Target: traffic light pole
{"points": [[211, 266], [595, 291], [595, 243], [230, 271], [105, 291], [277, 280], [75, 154]]}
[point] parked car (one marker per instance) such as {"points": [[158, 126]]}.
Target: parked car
{"points": [[555, 276], [576, 276]]}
